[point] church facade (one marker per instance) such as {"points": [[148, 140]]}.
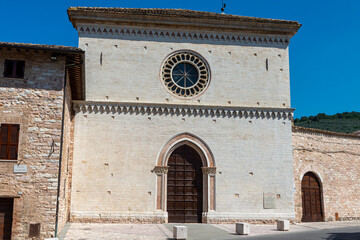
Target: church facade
{"points": [[186, 117], [163, 116]]}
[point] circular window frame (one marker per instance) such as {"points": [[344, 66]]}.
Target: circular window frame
{"points": [[196, 60]]}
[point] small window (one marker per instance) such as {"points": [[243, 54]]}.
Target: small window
{"points": [[14, 69], [9, 141]]}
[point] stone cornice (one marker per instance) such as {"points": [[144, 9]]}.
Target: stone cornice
{"points": [[182, 110], [182, 35], [181, 19]]}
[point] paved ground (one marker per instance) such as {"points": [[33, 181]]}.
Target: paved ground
{"points": [[347, 233], [303, 231]]}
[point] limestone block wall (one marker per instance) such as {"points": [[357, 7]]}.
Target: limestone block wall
{"points": [[120, 131], [126, 67], [117, 146], [36, 103], [335, 159]]}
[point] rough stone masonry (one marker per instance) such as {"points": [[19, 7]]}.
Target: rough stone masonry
{"points": [[335, 160], [35, 102]]}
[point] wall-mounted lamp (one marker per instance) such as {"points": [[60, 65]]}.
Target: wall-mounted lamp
{"points": [[53, 57]]}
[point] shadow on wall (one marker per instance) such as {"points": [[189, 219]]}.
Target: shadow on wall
{"points": [[344, 236]]}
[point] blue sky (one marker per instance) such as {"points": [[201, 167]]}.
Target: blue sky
{"points": [[324, 55]]}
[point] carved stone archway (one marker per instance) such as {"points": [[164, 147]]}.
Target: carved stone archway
{"points": [[208, 169]]}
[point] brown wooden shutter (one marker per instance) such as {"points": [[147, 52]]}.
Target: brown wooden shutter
{"points": [[8, 68], [4, 131], [14, 134], [9, 141], [3, 152], [3, 141], [20, 67], [14, 68]]}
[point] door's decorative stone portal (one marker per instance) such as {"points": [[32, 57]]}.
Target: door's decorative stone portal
{"points": [[200, 161]]}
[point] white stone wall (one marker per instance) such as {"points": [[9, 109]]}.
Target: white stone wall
{"points": [[115, 151], [126, 68]]}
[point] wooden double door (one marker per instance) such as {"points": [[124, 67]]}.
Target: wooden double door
{"points": [[6, 212], [184, 186], [311, 198]]}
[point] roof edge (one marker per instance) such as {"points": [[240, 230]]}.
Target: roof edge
{"points": [[42, 47], [181, 17], [324, 132]]}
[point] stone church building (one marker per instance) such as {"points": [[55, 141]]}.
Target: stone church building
{"points": [[163, 115], [186, 117]]}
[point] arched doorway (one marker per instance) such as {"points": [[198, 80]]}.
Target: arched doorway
{"points": [[184, 186], [311, 198]]}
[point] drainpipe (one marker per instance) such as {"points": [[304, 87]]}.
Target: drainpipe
{"points": [[61, 151]]}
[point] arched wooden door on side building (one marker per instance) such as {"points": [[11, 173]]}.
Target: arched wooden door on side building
{"points": [[184, 186], [311, 198]]}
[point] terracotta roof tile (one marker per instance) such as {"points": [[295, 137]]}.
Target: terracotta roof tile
{"points": [[319, 131], [178, 13], [56, 48]]}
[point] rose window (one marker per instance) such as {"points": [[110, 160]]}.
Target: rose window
{"points": [[185, 74]]}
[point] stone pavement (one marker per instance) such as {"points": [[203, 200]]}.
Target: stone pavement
{"points": [[96, 231]]}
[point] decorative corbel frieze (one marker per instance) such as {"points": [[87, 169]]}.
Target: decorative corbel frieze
{"points": [[194, 36], [180, 110]]}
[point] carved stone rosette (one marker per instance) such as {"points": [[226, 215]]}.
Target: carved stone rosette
{"points": [[209, 170]]}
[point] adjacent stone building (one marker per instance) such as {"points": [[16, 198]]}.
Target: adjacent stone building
{"points": [[186, 118], [330, 162], [35, 118]]}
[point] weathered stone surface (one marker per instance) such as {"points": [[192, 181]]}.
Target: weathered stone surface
{"points": [[34, 102], [243, 228], [129, 116], [335, 160], [283, 225], [180, 232]]}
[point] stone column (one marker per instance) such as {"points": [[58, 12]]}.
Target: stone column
{"points": [[161, 176], [209, 188]]}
